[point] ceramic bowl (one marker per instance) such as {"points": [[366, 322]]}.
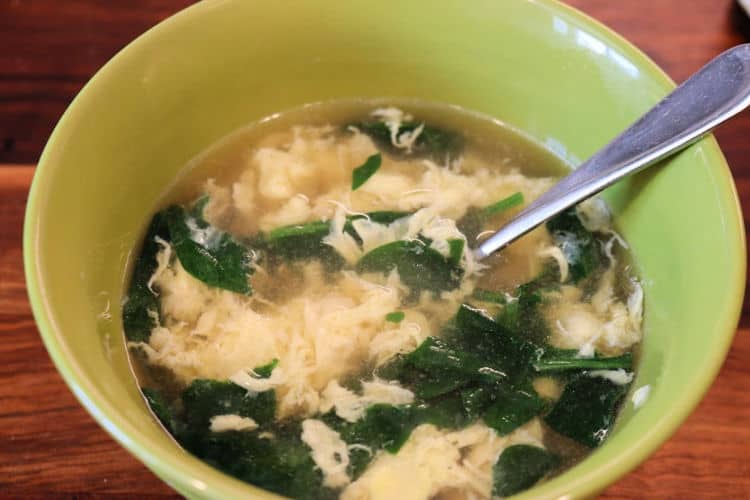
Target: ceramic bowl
{"points": [[542, 67]]}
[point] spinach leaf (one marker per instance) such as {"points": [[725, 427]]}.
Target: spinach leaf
{"points": [[359, 459], [434, 354], [281, 464], [446, 412], [388, 427], [587, 409], [520, 467], [483, 369], [419, 266], [379, 216], [207, 253], [300, 242], [425, 384], [472, 222], [161, 408], [382, 427], [316, 230], [514, 200], [580, 247], [512, 409], [494, 344], [555, 360], [455, 251], [475, 400], [432, 142], [442, 368], [366, 170], [436, 368], [304, 241], [474, 348], [430, 385], [205, 398], [384, 217], [142, 305], [489, 296], [264, 371], [395, 317], [522, 317], [502, 408]]}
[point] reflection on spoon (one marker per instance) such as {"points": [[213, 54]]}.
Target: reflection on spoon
{"points": [[720, 90]]}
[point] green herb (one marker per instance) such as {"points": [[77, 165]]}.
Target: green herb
{"points": [[475, 400], [264, 371], [384, 217], [282, 464], [419, 266], [444, 368], [431, 384], [380, 216], [514, 200], [304, 241], [446, 412], [510, 316], [512, 409], [434, 354], [438, 367], [207, 253], [366, 170], [465, 387], [522, 316], [580, 247], [561, 360], [587, 409], [382, 427], [472, 222], [431, 142], [300, 242], [205, 398], [496, 346], [142, 305], [316, 230], [395, 317], [520, 467], [455, 251], [501, 407], [388, 427]]}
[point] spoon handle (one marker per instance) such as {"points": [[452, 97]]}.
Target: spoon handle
{"points": [[720, 90]]}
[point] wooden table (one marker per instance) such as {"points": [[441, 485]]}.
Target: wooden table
{"points": [[49, 446]]}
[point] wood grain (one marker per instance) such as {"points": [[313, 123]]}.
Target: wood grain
{"points": [[47, 53], [50, 447]]}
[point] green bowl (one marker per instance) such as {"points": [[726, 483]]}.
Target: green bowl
{"points": [[537, 65]]}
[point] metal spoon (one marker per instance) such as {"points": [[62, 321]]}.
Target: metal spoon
{"points": [[720, 90]]}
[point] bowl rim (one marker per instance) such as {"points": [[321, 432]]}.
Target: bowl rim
{"points": [[189, 479]]}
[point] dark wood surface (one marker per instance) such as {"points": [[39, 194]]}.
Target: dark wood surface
{"points": [[50, 447]]}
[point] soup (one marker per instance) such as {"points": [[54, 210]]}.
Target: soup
{"points": [[306, 313]]}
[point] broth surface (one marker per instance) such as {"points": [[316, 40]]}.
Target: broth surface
{"points": [[307, 315]]}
